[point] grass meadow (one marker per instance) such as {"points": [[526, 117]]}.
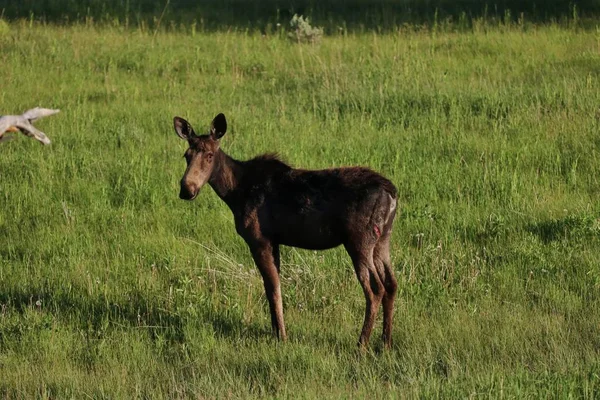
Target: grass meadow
{"points": [[112, 287]]}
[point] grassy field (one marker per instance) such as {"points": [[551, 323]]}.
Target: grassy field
{"points": [[112, 287]]}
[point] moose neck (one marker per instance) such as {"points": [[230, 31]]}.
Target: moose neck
{"points": [[225, 177]]}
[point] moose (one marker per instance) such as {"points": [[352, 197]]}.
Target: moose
{"points": [[274, 204]]}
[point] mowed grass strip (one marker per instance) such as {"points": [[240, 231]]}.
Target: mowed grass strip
{"points": [[113, 287]]}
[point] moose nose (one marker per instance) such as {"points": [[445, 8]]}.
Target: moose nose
{"points": [[186, 193]]}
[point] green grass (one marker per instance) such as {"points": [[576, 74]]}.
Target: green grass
{"points": [[111, 287]]}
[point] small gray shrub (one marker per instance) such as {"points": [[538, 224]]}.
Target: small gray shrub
{"points": [[302, 31]]}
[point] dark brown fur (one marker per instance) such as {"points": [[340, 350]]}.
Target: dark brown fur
{"points": [[274, 204]]}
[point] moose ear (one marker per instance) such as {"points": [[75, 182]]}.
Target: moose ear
{"points": [[183, 128], [218, 127]]}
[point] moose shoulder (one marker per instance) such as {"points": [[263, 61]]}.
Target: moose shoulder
{"points": [[274, 204]]}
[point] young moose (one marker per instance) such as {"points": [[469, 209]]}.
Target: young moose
{"points": [[274, 204]]}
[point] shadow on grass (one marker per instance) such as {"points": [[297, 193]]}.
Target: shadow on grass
{"points": [[98, 314], [489, 229], [568, 228]]}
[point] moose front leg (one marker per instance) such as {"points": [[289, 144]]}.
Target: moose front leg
{"points": [[266, 257]]}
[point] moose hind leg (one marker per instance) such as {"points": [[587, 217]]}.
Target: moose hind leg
{"points": [[372, 287], [381, 258]]}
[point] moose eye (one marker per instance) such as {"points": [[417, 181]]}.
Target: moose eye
{"points": [[209, 156]]}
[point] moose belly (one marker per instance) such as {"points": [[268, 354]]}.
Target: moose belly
{"points": [[308, 232]]}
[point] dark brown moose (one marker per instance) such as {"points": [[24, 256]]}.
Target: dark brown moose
{"points": [[274, 204]]}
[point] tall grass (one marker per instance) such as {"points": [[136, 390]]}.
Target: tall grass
{"points": [[112, 287]]}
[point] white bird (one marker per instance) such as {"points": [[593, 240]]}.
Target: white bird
{"points": [[23, 124]]}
